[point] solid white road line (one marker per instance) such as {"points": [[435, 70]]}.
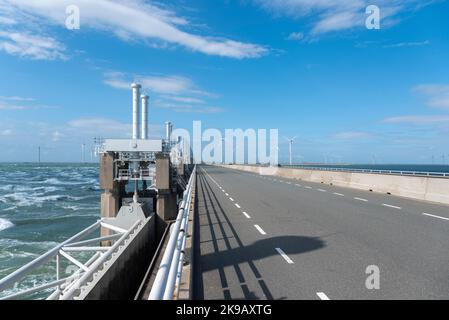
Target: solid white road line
{"points": [[284, 255], [339, 194], [322, 296], [246, 215], [237, 205], [360, 199], [260, 229], [434, 216], [390, 206]]}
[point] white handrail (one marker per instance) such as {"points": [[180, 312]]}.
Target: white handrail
{"points": [[163, 287], [19, 274], [85, 270]]}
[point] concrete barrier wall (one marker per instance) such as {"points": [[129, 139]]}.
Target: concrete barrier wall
{"points": [[419, 188], [122, 275]]}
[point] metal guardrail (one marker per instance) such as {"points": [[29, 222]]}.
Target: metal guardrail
{"points": [[168, 277], [64, 288], [391, 172], [142, 174]]}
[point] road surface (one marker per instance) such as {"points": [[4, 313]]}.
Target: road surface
{"points": [[261, 237]]}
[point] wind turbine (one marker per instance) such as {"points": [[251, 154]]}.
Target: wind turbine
{"points": [[290, 143], [83, 147]]}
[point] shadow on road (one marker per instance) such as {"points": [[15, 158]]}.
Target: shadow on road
{"points": [[209, 212], [291, 245]]}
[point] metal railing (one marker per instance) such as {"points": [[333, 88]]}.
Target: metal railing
{"points": [[65, 287], [142, 174], [168, 277], [376, 171]]}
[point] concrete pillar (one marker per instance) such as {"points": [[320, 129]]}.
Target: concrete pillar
{"points": [[181, 168], [110, 199], [163, 172], [166, 206]]}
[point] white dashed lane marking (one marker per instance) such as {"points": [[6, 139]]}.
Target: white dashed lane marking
{"points": [[260, 229], [435, 216], [284, 255], [322, 296], [390, 206], [339, 194]]}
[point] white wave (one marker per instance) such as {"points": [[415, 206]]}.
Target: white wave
{"points": [[10, 208], [5, 224], [39, 246], [7, 187], [24, 199], [55, 181], [21, 188], [74, 208]]}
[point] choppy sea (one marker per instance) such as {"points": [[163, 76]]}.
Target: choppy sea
{"points": [[42, 205]]}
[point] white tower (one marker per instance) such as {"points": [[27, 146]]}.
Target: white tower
{"points": [[136, 106], [144, 124]]}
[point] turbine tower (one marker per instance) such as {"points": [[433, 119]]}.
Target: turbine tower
{"points": [[290, 144], [83, 147]]}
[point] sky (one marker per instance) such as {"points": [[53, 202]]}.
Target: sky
{"points": [[311, 69]]}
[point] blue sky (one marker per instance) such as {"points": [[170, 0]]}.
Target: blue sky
{"points": [[309, 68]]}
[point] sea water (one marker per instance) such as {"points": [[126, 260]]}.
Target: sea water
{"points": [[42, 205]]}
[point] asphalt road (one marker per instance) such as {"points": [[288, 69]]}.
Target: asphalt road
{"points": [[273, 238]]}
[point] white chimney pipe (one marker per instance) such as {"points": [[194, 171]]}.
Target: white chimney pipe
{"points": [[168, 128], [144, 124], [136, 106]]}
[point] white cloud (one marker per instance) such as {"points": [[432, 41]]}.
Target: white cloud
{"points": [[331, 15], [16, 98], [167, 92], [185, 99], [21, 103], [418, 119], [295, 36], [138, 19], [8, 106], [171, 84], [7, 21], [187, 108], [408, 44], [337, 21], [31, 46], [437, 94]]}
